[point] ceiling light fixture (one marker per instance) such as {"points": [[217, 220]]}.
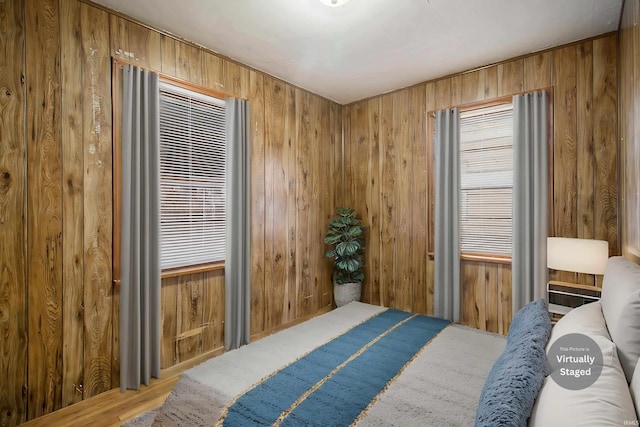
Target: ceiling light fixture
{"points": [[333, 3]]}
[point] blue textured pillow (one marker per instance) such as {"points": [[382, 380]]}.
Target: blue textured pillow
{"points": [[513, 384], [532, 321]]}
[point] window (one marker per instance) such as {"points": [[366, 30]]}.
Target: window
{"points": [[192, 177], [486, 180]]}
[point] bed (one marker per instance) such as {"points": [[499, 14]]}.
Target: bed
{"points": [[455, 376]]}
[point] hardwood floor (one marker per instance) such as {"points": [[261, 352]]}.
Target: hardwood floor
{"points": [[111, 408]]}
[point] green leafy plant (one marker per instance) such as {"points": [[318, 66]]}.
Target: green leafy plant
{"points": [[346, 238]]}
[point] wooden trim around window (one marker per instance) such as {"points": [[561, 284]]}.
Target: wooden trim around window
{"points": [[495, 259], [116, 105], [192, 269], [431, 167]]}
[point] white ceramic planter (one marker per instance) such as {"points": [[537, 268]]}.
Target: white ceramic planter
{"points": [[347, 292]]}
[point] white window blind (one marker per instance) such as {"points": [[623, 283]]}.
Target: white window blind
{"points": [[192, 177], [486, 180]]}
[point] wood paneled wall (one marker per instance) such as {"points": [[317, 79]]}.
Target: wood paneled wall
{"points": [[58, 307], [629, 38], [389, 179]]}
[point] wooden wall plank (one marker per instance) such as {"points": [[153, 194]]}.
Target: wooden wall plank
{"points": [[472, 275], [388, 203], [510, 77], [404, 278], [237, 80], [605, 89], [168, 55], [189, 316], [275, 199], [13, 213], [328, 140], [492, 296], [213, 310], [168, 313], [44, 204], [119, 38], [626, 120], [257, 111], [473, 86], [584, 142], [189, 63], [629, 92], [72, 203], [317, 222], [537, 71], [418, 198], [372, 201], [491, 82], [584, 148], [96, 104], [442, 94], [145, 47], [214, 69], [565, 131], [301, 189], [359, 141], [456, 89], [287, 196], [348, 186], [504, 298]]}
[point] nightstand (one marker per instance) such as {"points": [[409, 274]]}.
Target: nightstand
{"points": [[565, 296]]}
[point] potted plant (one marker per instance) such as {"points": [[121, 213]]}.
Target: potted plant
{"points": [[347, 241]]}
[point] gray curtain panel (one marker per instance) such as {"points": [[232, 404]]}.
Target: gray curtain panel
{"points": [[446, 288], [237, 263], [530, 191], [140, 237]]}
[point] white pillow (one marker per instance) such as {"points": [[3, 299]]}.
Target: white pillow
{"points": [[621, 308], [586, 319], [607, 402]]}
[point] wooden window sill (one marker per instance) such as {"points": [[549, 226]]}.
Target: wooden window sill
{"points": [[496, 259], [192, 269], [183, 271]]}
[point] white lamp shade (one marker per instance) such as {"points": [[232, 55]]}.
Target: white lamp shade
{"points": [[578, 255]]}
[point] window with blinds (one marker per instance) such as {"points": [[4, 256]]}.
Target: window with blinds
{"points": [[486, 180], [192, 177]]}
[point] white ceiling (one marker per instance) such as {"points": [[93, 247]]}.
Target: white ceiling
{"points": [[368, 47]]}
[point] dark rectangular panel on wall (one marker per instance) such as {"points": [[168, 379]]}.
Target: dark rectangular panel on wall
{"points": [[13, 200]]}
